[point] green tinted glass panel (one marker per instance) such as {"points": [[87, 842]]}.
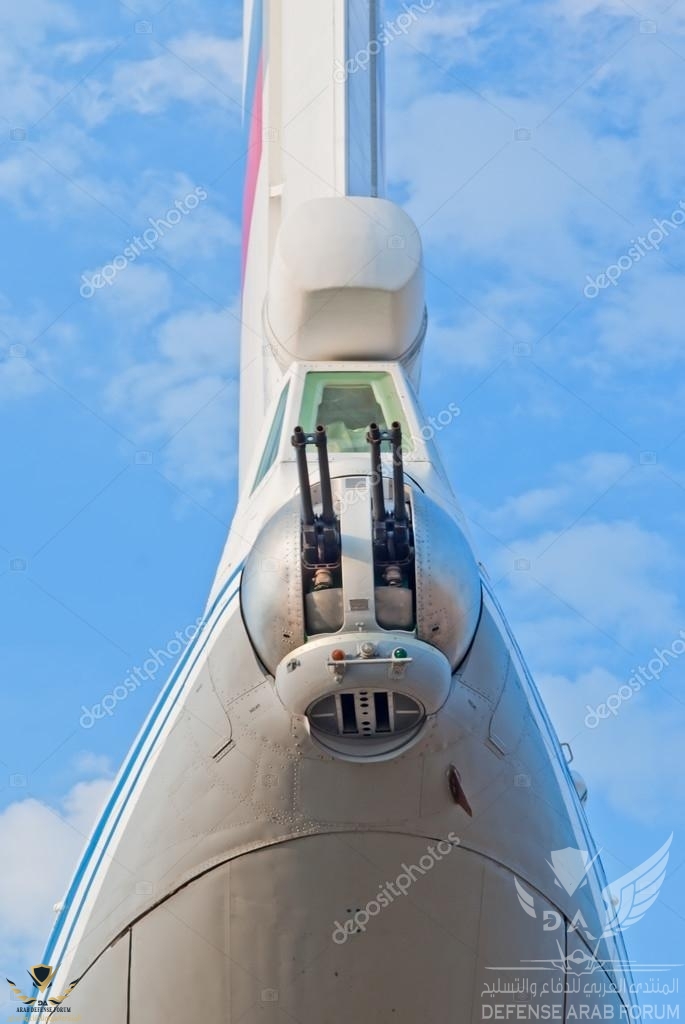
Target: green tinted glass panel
{"points": [[346, 402], [274, 439]]}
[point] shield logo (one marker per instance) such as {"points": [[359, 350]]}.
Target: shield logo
{"points": [[570, 867], [41, 975]]}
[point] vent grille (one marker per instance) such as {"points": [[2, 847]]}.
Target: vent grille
{"points": [[363, 714]]}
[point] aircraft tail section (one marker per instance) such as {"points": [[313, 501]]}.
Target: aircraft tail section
{"points": [[314, 121], [313, 100]]}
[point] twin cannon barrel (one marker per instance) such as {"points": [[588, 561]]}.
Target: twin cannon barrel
{"points": [[308, 573], [321, 539]]}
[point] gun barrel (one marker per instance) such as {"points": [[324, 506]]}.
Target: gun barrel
{"points": [[398, 473], [328, 514], [377, 499], [299, 442]]}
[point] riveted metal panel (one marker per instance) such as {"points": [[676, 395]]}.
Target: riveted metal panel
{"points": [[485, 668], [271, 589], [448, 591], [102, 993]]}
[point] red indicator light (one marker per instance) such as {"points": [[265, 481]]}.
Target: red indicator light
{"points": [[337, 655]]}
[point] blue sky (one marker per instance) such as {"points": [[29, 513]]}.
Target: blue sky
{"points": [[534, 144]]}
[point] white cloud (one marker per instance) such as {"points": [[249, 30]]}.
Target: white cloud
{"points": [[633, 759], [131, 281], [87, 763], [436, 40], [537, 210], [29, 339], [18, 380], [139, 293], [202, 69], [603, 159], [46, 172], [74, 51], [619, 577], [559, 640], [442, 29], [47, 179], [471, 339], [28, 88], [635, 322], [185, 397], [575, 484], [200, 236], [201, 233], [31, 21], [33, 880], [575, 9]]}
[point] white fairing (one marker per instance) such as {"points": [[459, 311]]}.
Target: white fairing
{"points": [[346, 282], [342, 807]]}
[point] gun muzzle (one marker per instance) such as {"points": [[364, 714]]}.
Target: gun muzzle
{"points": [[299, 442], [327, 512], [377, 499], [398, 474]]}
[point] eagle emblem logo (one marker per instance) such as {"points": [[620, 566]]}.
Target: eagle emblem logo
{"points": [[42, 976], [627, 899]]}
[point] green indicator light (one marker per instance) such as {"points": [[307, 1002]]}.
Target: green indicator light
{"points": [[399, 653]]}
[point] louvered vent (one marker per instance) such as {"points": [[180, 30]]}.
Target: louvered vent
{"points": [[366, 714]]}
